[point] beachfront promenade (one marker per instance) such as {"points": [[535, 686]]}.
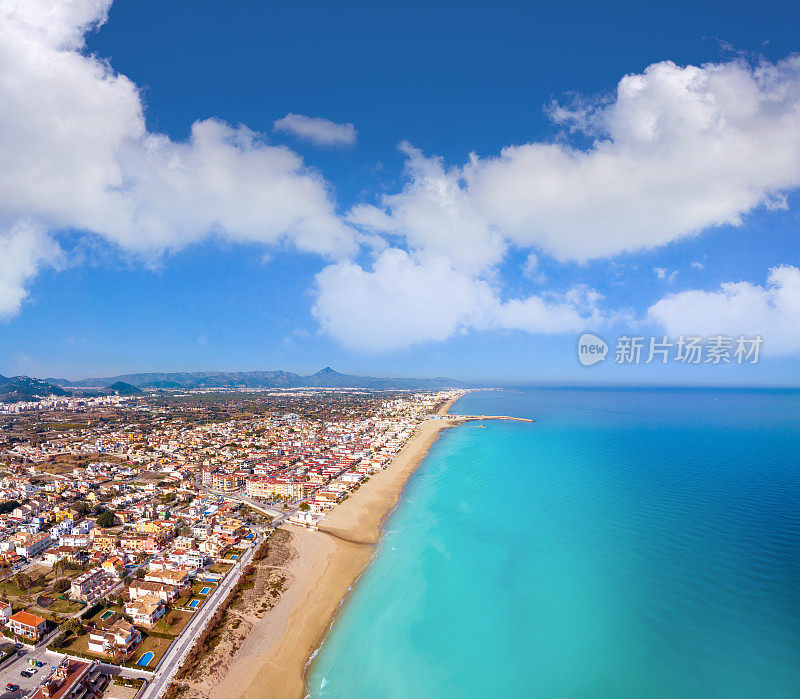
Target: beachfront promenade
{"points": [[175, 656]]}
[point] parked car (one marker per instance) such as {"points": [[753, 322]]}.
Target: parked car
{"points": [[12, 687]]}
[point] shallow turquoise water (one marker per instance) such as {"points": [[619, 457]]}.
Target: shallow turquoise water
{"points": [[626, 544]]}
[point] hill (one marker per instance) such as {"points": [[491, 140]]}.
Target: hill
{"points": [[15, 389], [124, 389]]}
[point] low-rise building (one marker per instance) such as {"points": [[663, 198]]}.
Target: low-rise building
{"points": [[166, 593], [178, 577], [114, 565], [5, 613], [145, 610], [27, 625], [120, 638], [72, 678], [34, 544]]}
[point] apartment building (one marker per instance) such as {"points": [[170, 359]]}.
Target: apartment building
{"points": [[92, 585], [270, 487]]}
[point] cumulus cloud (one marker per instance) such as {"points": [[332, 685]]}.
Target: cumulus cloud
{"points": [[739, 308], [675, 150], [436, 216], [317, 130], [75, 153], [403, 301], [24, 250]]}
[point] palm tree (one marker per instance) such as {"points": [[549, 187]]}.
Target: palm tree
{"points": [[19, 579], [4, 570]]}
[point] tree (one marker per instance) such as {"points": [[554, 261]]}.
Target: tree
{"points": [[72, 626], [61, 585], [107, 519], [22, 581], [8, 506], [304, 507]]}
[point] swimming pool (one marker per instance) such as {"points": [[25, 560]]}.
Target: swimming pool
{"points": [[107, 614], [145, 659], [194, 603], [209, 580], [234, 556], [205, 590]]}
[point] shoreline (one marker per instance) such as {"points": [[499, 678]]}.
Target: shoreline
{"points": [[275, 658]]}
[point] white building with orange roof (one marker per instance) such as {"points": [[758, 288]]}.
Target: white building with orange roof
{"points": [[27, 625]]}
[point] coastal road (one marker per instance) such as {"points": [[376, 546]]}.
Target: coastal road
{"points": [[177, 652]]}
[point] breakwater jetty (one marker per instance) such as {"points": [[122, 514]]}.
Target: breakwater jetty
{"points": [[469, 418]]}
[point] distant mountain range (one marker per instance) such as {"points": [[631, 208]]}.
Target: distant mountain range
{"points": [[14, 389], [325, 378]]}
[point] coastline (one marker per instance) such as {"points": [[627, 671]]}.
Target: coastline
{"points": [[274, 658]]}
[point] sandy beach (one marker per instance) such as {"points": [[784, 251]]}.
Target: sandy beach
{"points": [[272, 660]]}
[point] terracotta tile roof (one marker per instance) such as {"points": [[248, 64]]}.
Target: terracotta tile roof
{"points": [[27, 618]]}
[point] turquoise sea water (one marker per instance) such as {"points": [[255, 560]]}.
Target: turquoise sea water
{"points": [[627, 544]]}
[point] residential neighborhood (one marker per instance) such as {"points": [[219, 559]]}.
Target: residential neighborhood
{"points": [[120, 519]]}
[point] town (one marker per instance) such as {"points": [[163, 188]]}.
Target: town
{"points": [[128, 522]]}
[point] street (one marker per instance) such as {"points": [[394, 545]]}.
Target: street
{"points": [[174, 657]]}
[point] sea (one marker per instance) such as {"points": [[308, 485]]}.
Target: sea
{"points": [[628, 543]]}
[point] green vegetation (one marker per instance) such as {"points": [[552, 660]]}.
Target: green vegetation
{"points": [[8, 506], [107, 519]]}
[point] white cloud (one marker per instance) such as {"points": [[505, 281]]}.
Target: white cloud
{"points": [[403, 301], [739, 308], [664, 273], [675, 151], [317, 130], [531, 267], [697, 265], [24, 250], [75, 153], [436, 215]]}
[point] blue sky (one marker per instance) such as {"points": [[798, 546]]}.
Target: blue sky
{"points": [[181, 287]]}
